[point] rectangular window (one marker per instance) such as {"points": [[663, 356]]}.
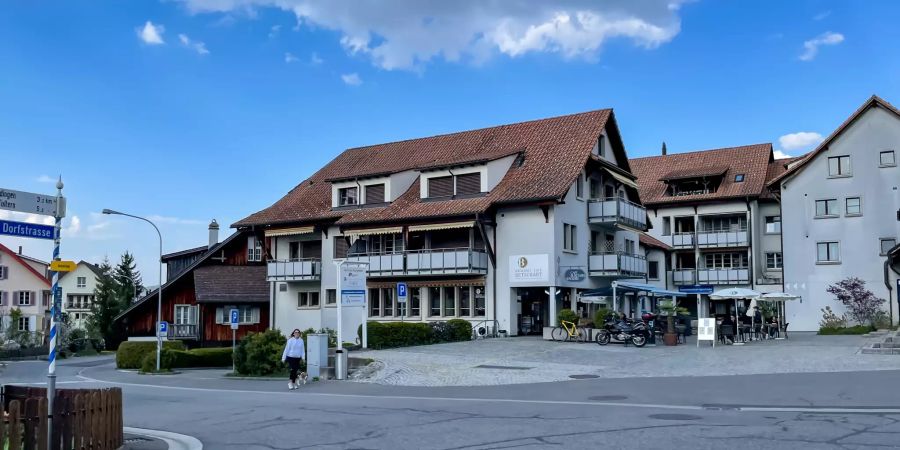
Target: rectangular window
{"points": [[596, 189], [630, 247], [828, 252], [246, 315], [653, 270], [600, 150], [308, 299], [375, 193], [4, 272], [434, 301], [773, 224], [465, 301], [348, 196], [24, 298], [719, 261], [415, 302], [294, 250], [374, 303], [387, 301], [839, 166], [449, 301], [440, 187], [579, 186], [81, 282], [468, 183], [479, 301], [887, 244], [852, 206], [341, 247], [330, 297], [183, 315], [24, 323], [254, 249], [569, 237], [667, 226], [825, 208], [887, 158], [773, 260]]}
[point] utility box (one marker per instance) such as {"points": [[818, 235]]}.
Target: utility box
{"points": [[316, 354]]}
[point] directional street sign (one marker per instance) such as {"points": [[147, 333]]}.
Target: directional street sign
{"points": [[28, 202], [164, 328], [28, 230], [62, 266], [235, 318], [401, 292]]}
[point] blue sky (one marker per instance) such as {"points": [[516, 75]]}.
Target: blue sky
{"points": [[197, 109]]}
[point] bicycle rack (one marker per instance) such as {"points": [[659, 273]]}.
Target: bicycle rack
{"points": [[485, 329]]}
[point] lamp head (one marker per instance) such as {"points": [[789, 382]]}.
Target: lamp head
{"points": [[109, 211]]}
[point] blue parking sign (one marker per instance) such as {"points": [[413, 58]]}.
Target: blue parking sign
{"points": [[163, 328], [401, 292], [235, 318]]}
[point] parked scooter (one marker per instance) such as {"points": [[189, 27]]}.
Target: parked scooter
{"points": [[623, 331]]}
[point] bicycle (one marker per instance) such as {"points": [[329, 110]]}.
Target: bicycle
{"points": [[569, 331]]}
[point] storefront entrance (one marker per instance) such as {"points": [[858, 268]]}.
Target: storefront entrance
{"points": [[535, 306]]}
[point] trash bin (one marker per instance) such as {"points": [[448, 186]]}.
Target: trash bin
{"points": [[340, 364], [316, 354]]}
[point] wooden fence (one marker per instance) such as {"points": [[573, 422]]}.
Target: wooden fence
{"points": [[83, 419]]}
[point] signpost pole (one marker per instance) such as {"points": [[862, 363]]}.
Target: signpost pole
{"points": [[54, 311], [340, 308], [235, 319]]}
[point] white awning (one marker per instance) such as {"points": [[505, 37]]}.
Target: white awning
{"points": [[355, 234], [623, 179], [289, 231], [442, 226]]}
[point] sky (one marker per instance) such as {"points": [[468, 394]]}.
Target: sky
{"points": [[190, 110]]}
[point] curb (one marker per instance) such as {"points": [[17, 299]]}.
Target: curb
{"points": [[175, 441]]}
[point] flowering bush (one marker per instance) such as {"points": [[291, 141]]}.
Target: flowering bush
{"points": [[832, 320], [862, 305]]}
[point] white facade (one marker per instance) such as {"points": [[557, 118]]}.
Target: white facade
{"points": [[78, 294], [827, 237], [23, 287]]}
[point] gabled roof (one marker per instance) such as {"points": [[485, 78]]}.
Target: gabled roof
{"points": [[154, 293], [553, 153], [750, 160], [84, 263], [189, 251], [18, 258], [651, 241], [873, 102]]}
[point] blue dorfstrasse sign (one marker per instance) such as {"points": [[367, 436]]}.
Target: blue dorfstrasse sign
{"points": [[29, 230]]}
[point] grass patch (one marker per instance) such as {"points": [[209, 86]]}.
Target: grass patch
{"points": [[855, 330]]}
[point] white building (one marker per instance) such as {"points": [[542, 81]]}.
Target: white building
{"points": [[841, 206], [24, 286], [723, 225], [503, 226], [78, 292]]}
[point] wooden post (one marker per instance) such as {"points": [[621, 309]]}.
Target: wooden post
{"points": [[78, 420], [15, 439], [42, 423], [68, 420], [30, 422]]}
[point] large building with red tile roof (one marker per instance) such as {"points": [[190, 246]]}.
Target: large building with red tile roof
{"points": [[502, 226]]}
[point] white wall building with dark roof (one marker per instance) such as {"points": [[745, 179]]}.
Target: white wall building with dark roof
{"points": [[78, 288]]}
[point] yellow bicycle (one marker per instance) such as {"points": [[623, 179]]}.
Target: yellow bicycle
{"points": [[569, 331]]}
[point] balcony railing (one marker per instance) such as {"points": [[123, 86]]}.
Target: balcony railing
{"points": [[617, 211], [684, 276], [732, 238], [308, 269], [723, 276], [683, 240], [182, 331], [445, 261], [604, 264], [78, 306]]}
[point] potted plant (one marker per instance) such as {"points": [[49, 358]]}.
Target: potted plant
{"points": [[670, 309]]}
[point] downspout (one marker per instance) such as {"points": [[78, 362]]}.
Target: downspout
{"points": [[887, 284], [494, 289], [750, 231]]}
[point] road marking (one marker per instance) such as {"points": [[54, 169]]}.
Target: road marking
{"points": [[174, 440]]}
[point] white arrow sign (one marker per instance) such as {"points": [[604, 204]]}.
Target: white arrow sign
{"points": [[31, 203]]}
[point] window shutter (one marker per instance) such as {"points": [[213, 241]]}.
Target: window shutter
{"points": [[340, 247], [254, 315], [375, 193], [32, 324], [194, 312], [3, 298], [440, 186], [468, 184], [219, 313], [15, 298]]}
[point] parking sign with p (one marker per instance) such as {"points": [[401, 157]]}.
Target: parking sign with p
{"points": [[235, 318], [401, 292]]}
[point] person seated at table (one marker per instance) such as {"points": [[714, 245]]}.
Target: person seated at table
{"points": [[728, 329]]}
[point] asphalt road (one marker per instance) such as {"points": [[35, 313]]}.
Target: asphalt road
{"points": [[796, 411]]}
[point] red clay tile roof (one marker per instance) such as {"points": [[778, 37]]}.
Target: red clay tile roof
{"points": [[231, 284], [776, 168], [750, 160], [555, 150], [17, 258], [651, 241], [873, 101]]}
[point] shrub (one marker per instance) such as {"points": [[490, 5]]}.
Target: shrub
{"points": [[202, 357], [568, 315], [440, 332], [460, 330], [600, 317], [130, 354], [831, 320], [166, 361], [882, 320], [862, 305], [260, 353], [858, 329]]}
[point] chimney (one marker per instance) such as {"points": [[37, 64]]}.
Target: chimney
{"points": [[213, 234], [664, 148]]}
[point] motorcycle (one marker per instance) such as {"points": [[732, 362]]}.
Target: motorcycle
{"points": [[637, 333]]}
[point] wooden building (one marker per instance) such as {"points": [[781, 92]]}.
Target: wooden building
{"points": [[197, 298]]}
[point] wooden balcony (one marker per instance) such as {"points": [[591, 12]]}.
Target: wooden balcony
{"points": [[183, 331]]}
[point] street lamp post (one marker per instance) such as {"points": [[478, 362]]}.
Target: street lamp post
{"points": [[158, 289]]}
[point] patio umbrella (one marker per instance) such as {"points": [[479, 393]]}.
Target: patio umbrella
{"points": [[735, 294], [751, 307]]}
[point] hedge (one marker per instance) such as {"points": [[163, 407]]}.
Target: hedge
{"points": [[202, 357], [403, 334], [166, 359], [130, 354], [858, 329]]}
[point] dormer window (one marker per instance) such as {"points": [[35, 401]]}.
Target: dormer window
{"points": [[349, 196], [375, 193], [696, 181], [455, 185], [440, 187]]}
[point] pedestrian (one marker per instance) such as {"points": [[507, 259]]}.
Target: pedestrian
{"points": [[294, 353]]}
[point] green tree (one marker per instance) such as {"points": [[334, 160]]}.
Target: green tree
{"points": [[128, 281], [106, 304]]}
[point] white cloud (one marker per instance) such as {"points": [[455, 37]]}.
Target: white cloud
{"points": [[780, 154], [811, 47], [289, 58], [175, 220], [151, 34], [351, 79], [397, 34], [197, 46], [315, 60], [822, 15], [273, 32], [45, 179], [799, 140]]}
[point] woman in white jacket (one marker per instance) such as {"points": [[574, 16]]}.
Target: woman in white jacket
{"points": [[294, 352]]}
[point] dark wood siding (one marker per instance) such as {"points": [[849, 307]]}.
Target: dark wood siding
{"points": [[217, 334], [468, 184], [440, 186], [375, 193]]}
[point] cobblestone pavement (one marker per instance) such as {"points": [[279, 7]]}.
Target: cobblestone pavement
{"points": [[530, 360]]}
